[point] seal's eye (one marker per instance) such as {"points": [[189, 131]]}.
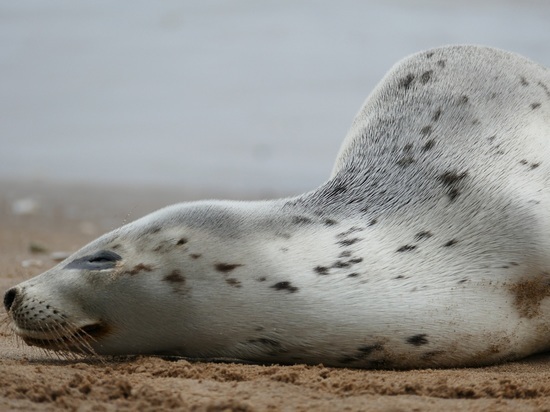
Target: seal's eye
{"points": [[103, 256], [104, 259]]}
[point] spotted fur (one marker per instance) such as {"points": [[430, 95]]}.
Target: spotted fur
{"points": [[428, 246]]}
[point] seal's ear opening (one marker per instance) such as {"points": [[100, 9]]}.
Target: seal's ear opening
{"points": [[104, 259]]}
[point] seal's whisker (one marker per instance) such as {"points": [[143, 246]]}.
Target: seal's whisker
{"points": [[80, 339], [66, 339], [51, 354], [5, 321], [6, 326]]}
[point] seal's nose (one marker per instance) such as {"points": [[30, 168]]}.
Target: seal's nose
{"points": [[9, 297]]}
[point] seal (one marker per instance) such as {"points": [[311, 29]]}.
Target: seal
{"points": [[428, 246]]}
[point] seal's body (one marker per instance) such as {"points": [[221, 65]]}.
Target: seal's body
{"points": [[427, 247]]}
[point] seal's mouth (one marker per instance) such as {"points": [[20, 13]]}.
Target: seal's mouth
{"points": [[77, 340]]}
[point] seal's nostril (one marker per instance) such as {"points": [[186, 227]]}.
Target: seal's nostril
{"points": [[9, 297]]}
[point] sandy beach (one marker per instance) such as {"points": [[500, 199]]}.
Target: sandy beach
{"points": [[64, 217]]}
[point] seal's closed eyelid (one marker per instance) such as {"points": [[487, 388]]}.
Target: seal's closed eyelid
{"points": [[103, 256], [104, 259]]}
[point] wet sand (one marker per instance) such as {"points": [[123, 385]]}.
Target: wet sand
{"points": [[66, 217]]}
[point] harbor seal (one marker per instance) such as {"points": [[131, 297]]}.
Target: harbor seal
{"points": [[428, 246]]}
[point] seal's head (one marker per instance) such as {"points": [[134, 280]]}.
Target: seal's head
{"points": [[123, 293], [46, 318], [147, 287]]}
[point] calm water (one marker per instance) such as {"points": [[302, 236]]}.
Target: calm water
{"points": [[246, 96]]}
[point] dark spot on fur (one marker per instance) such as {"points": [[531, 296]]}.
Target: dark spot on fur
{"points": [[195, 255], [373, 222], [155, 229], [408, 147], [321, 270], [163, 246], [514, 263], [523, 162], [492, 138], [405, 161], [233, 282], [329, 222], [428, 145], [534, 165], [262, 279], [463, 99], [535, 106], [452, 179], [475, 122], [451, 243], [351, 230], [270, 342], [418, 340], [441, 63], [115, 246], [174, 277], [545, 88], [285, 286], [342, 264], [345, 253], [523, 81], [429, 55], [300, 220], [362, 353], [431, 354], [259, 329], [348, 242], [423, 235], [226, 267], [335, 191], [436, 115], [406, 82], [284, 235], [406, 248], [426, 76], [355, 200], [399, 277], [463, 280], [368, 349], [505, 267], [426, 130], [182, 241], [353, 275], [141, 267], [284, 249]]}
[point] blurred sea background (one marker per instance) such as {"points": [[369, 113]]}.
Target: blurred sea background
{"points": [[243, 97]]}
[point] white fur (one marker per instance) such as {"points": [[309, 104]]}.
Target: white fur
{"points": [[428, 246]]}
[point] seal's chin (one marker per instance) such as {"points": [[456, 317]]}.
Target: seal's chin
{"points": [[73, 340]]}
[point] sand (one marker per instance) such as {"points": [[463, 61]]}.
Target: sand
{"points": [[66, 217]]}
